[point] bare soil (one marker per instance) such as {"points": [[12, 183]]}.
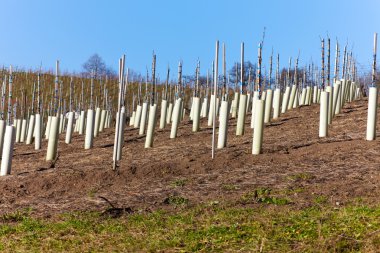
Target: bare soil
{"points": [[295, 163]]}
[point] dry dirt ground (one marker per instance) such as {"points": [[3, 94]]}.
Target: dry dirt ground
{"points": [[295, 163]]}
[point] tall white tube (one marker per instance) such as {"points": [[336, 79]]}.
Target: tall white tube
{"points": [[138, 116], [131, 120], [217, 107], [196, 113], [372, 114], [97, 122], [151, 126], [23, 130], [235, 103], [268, 105], [259, 127], [285, 100], [303, 97], [296, 100], [276, 103], [116, 146], [248, 102], [336, 96], [223, 125], [323, 115], [6, 158], [308, 96], [292, 97], [164, 109], [254, 98], [29, 135], [169, 114], [89, 138], [37, 132], [315, 91], [144, 114], [344, 94], [263, 95], [211, 111], [119, 137], [182, 111], [82, 122], [240, 126], [205, 107], [47, 130], [53, 139], [61, 123], [176, 118], [18, 130], [353, 91], [109, 119], [2, 133], [76, 126], [330, 110], [103, 120], [350, 92], [69, 131], [358, 93], [191, 109], [107, 123]]}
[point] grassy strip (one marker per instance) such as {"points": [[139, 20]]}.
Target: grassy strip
{"points": [[202, 228]]}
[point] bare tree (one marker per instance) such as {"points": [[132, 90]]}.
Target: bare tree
{"points": [[247, 65], [95, 63]]}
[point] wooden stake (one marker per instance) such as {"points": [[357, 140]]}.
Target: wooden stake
{"points": [[336, 70], [328, 61], [323, 64], [374, 60], [258, 74]]}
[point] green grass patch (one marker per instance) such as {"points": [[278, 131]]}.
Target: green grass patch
{"points": [[176, 200], [293, 190], [201, 228], [320, 199], [303, 176], [263, 195], [92, 192], [229, 187], [179, 182]]}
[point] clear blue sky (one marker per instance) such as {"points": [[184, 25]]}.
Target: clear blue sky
{"points": [[72, 30]]}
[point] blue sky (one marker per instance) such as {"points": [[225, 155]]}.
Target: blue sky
{"points": [[72, 30]]}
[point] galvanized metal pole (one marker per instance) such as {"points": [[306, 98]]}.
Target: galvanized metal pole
{"points": [[242, 88], [215, 93]]}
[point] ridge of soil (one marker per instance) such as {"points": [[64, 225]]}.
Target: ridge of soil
{"points": [[295, 162]]}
